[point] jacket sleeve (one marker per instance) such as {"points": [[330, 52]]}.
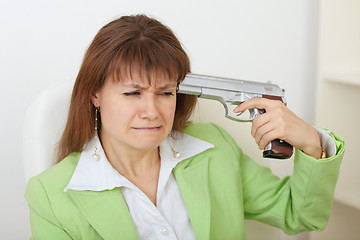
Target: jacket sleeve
{"points": [[300, 202], [43, 222]]}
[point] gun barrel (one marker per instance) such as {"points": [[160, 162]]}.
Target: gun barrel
{"points": [[193, 84]]}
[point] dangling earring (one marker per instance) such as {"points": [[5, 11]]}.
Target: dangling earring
{"points": [[176, 154], [95, 155]]}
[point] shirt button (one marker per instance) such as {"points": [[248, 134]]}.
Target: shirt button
{"points": [[165, 232]]}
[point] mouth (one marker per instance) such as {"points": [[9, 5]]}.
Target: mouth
{"points": [[151, 129]]}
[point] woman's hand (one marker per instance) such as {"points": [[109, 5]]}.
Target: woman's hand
{"points": [[280, 123]]}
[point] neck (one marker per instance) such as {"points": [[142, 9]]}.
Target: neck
{"points": [[132, 163]]}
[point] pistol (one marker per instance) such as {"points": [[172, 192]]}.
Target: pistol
{"points": [[231, 93]]}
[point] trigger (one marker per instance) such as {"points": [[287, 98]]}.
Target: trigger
{"points": [[258, 111], [240, 113], [262, 111]]}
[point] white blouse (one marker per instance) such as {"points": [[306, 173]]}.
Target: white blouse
{"points": [[169, 219]]}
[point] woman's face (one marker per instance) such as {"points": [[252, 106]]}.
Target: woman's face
{"points": [[136, 115]]}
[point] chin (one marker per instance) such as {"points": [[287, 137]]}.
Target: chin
{"points": [[145, 147], [147, 143]]}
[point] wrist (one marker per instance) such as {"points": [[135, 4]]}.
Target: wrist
{"points": [[313, 145], [315, 152]]}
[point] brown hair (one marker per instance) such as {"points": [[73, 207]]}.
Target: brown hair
{"points": [[130, 43]]}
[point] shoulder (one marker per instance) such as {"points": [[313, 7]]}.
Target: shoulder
{"points": [[204, 130], [55, 178], [209, 132], [215, 135]]}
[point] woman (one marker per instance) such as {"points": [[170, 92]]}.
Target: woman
{"points": [[130, 165]]}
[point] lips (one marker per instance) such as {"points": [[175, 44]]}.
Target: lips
{"points": [[147, 128]]}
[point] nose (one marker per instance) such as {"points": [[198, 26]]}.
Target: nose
{"points": [[149, 108]]}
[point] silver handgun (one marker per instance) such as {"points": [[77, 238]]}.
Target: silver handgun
{"points": [[232, 92]]}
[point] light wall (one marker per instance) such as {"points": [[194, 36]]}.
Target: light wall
{"points": [[43, 42]]}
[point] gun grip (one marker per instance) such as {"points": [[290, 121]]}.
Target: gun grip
{"points": [[278, 149]]}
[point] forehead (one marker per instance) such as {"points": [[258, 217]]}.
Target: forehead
{"points": [[145, 84], [155, 78]]}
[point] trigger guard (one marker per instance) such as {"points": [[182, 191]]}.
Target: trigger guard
{"points": [[256, 113], [253, 113]]}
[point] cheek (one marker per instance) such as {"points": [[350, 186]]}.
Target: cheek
{"points": [[114, 114], [170, 111]]}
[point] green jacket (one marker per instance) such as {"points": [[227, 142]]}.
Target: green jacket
{"points": [[221, 187]]}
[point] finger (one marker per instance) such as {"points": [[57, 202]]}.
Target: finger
{"points": [[267, 138], [259, 121], [266, 123], [260, 103], [276, 117], [261, 132]]}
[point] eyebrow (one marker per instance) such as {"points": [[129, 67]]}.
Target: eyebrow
{"points": [[137, 86]]}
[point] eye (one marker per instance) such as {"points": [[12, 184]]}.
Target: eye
{"points": [[135, 93], [167, 93]]}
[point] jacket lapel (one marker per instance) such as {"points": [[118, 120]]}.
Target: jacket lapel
{"points": [[192, 178], [107, 213]]}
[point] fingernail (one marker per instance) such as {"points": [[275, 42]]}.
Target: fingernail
{"points": [[236, 110]]}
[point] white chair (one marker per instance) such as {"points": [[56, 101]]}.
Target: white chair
{"points": [[44, 122]]}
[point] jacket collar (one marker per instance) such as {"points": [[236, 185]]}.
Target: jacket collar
{"points": [[106, 212], [192, 178]]}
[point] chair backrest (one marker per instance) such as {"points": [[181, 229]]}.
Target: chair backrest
{"points": [[44, 123]]}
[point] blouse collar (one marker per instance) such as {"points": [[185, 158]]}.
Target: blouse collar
{"points": [[99, 175]]}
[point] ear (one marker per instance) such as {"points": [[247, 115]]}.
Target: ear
{"points": [[95, 98]]}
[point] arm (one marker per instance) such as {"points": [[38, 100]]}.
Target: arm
{"points": [[43, 222], [301, 202]]}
